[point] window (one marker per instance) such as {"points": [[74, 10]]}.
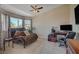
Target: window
{"points": [[28, 24], [16, 22]]}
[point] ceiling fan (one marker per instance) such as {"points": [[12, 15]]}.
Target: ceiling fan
{"points": [[36, 8]]}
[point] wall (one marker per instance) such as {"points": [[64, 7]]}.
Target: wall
{"points": [[44, 22]]}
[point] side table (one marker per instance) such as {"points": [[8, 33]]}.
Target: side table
{"points": [[8, 40]]}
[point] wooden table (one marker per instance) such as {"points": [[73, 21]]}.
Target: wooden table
{"points": [[73, 46]]}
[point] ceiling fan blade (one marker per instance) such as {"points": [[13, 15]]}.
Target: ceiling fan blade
{"points": [[36, 8], [32, 6], [40, 8]]}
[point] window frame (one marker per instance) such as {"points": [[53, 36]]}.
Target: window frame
{"points": [[18, 22]]}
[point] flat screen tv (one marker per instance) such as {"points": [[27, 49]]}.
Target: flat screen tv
{"points": [[66, 27], [76, 14]]}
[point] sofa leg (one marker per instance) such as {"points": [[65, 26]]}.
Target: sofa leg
{"points": [[24, 44], [12, 44]]}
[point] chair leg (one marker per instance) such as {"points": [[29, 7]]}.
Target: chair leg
{"points": [[61, 44], [24, 44], [12, 44], [4, 45], [9, 43]]}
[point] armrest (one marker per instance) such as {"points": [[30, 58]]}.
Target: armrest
{"points": [[73, 45]]}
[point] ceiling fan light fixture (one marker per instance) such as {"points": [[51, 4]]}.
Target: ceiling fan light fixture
{"points": [[36, 8], [35, 11]]}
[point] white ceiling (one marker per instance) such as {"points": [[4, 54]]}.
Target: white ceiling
{"points": [[24, 9]]}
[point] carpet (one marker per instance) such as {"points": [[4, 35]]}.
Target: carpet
{"points": [[41, 46]]}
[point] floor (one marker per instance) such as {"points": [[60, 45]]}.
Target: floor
{"points": [[41, 46]]}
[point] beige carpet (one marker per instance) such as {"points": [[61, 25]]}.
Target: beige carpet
{"points": [[41, 46]]}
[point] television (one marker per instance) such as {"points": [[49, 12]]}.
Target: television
{"points": [[66, 27], [76, 14]]}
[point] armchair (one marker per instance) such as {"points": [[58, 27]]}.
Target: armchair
{"points": [[70, 35]]}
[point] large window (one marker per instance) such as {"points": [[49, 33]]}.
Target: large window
{"points": [[28, 24], [16, 22]]}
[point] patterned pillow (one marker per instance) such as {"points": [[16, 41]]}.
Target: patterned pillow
{"points": [[26, 32]]}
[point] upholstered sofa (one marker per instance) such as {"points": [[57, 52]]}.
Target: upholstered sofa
{"points": [[25, 39]]}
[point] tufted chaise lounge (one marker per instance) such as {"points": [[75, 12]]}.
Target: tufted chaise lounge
{"points": [[25, 39]]}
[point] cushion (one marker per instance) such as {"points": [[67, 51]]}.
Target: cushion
{"points": [[19, 33], [26, 32]]}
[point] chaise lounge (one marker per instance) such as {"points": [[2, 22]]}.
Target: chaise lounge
{"points": [[25, 39]]}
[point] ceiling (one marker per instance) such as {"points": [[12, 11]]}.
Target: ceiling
{"points": [[24, 9]]}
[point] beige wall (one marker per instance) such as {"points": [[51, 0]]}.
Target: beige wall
{"points": [[44, 22]]}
